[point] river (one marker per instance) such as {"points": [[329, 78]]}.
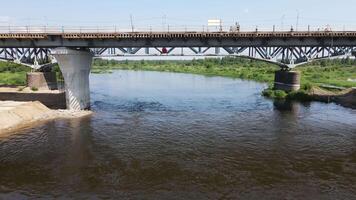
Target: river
{"points": [[157, 135]]}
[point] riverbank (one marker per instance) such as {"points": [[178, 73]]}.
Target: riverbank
{"points": [[344, 97], [18, 115], [337, 72]]}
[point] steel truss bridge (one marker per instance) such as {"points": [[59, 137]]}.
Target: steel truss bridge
{"points": [[287, 49]]}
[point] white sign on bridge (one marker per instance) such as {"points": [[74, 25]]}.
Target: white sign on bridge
{"points": [[214, 22]]}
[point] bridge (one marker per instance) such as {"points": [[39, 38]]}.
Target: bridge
{"points": [[74, 50]]}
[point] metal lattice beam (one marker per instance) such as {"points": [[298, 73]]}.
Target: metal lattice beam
{"points": [[287, 57]]}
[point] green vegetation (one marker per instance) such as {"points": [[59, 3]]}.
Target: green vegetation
{"points": [[228, 67], [18, 78], [15, 74], [12, 74], [274, 94], [34, 89], [336, 72], [301, 95], [101, 71], [21, 88]]}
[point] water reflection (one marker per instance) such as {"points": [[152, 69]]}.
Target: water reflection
{"points": [[178, 136]]}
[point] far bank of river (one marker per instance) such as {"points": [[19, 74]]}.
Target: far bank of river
{"points": [[326, 81], [316, 80]]}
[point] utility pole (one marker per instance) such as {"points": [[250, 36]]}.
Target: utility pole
{"points": [[297, 24], [164, 22], [282, 22], [221, 26], [132, 26]]}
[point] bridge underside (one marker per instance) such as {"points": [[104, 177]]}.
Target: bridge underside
{"points": [[285, 57], [286, 49], [74, 51]]}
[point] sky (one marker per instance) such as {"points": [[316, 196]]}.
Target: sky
{"points": [[180, 13]]}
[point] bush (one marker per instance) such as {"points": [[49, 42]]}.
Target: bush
{"points": [[274, 94], [300, 95], [307, 86], [267, 92], [21, 88], [34, 89], [280, 94]]}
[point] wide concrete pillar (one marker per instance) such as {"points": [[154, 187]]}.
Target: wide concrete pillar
{"points": [[75, 66], [287, 80]]}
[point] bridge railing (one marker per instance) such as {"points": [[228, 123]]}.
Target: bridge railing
{"points": [[180, 28]]}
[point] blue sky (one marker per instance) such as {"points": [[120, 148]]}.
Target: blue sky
{"points": [[145, 13]]}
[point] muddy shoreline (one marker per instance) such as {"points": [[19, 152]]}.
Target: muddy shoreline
{"points": [[345, 98]]}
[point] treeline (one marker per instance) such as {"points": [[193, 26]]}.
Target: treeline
{"points": [[208, 62], [216, 62], [334, 62]]}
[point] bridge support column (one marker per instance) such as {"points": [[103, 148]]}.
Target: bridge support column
{"points": [[287, 80], [75, 66]]}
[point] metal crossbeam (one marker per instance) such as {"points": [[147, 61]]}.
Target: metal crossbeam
{"points": [[286, 57]]}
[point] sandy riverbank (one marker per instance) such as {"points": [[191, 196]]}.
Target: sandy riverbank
{"points": [[18, 115]]}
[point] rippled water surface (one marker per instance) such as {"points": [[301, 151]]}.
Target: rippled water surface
{"points": [[179, 136]]}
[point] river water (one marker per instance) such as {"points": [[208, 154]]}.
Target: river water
{"points": [[161, 135]]}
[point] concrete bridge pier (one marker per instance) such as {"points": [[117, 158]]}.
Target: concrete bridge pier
{"points": [[75, 66], [287, 80]]}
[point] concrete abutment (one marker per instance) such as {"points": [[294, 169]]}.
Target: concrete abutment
{"points": [[42, 80], [75, 66]]}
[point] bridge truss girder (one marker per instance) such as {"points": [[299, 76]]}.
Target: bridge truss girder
{"points": [[32, 57], [285, 57]]}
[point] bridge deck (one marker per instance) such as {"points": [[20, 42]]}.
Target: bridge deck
{"points": [[113, 35]]}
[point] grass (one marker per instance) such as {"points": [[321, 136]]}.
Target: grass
{"points": [[301, 95], [101, 71], [329, 75], [8, 78], [12, 74], [274, 94], [228, 67]]}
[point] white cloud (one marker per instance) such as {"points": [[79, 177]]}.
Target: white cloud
{"points": [[246, 10]]}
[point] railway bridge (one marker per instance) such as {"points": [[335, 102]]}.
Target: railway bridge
{"points": [[74, 50]]}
